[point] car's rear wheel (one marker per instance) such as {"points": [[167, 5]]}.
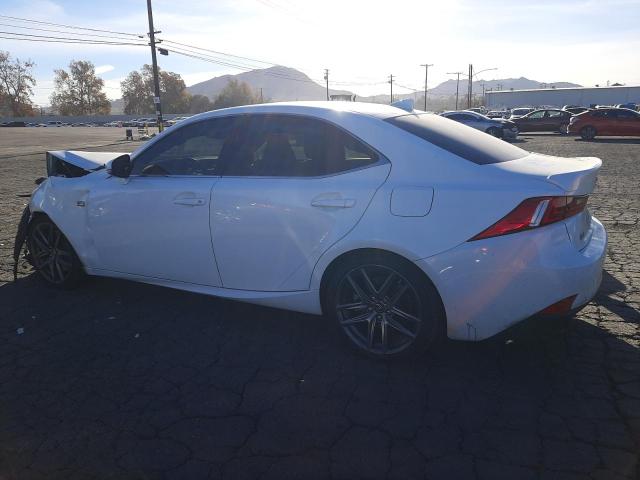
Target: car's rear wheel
{"points": [[52, 255], [495, 132], [588, 132], [563, 129], [383, 306]]}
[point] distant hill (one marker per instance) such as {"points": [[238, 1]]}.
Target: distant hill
{"points": [[448, 87], [277, 84], [285, 84]]}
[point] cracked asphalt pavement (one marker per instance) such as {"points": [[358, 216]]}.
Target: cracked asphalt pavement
{"points": [[126, 381]]}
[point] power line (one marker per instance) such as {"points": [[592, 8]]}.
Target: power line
{"points": [[62, 31], [237, 66], [69, 26], [218, 52], [60, 38], [78, 41]]}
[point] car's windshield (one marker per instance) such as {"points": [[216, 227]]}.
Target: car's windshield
{"points": [[468, 143]]}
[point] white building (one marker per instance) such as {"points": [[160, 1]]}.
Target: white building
{"points": [[581, 96]]}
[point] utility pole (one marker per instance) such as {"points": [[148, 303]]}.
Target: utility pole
{"points": [[426, 79], [156, 81], [326, 77], [391, 83], [261, 97], [470, 86], [457, 85]]}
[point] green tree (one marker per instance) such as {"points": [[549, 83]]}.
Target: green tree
{"points": [[79, 91], [234, 94], [16, 86], [138, 92], [199, 104]]}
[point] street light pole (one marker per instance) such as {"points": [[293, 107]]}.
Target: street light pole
{"points": [[326, 77], [391, 83], [426, 79], [156, 81], [457, 84]]}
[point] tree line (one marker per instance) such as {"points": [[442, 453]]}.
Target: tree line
{"points": [[78, 90]]}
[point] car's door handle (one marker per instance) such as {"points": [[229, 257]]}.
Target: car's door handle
{"points": [[191, 202], [333, 202]]}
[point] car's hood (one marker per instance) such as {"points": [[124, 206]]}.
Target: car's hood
{"points": [[85, 160]]}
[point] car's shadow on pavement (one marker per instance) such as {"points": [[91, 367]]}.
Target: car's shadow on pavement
{"points": [[123, 380]]}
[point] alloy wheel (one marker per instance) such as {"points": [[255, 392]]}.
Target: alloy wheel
{"points": [[51, 252], [378, 309]]}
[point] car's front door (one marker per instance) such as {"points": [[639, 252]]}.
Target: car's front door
{"points": [[294, 187], [156, 222]]}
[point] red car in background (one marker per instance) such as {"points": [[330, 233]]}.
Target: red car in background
{"points": [[617, 122]]}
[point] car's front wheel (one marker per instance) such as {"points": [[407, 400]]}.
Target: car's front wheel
{"points": [[384, 306], [495, 132], [52, 255], [588, 133]]}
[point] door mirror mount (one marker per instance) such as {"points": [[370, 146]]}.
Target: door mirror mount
{"points": [[121, 166]]}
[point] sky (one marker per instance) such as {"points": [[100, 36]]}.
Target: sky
{"points": [[361, 42]]}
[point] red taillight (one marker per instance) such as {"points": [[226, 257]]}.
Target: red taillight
{"points": [[535, 212], [558, 308]]}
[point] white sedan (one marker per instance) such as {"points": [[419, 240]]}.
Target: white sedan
{"points": [[398, 227]]}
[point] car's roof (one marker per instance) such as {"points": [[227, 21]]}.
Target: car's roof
{"points": [[310, 108]]}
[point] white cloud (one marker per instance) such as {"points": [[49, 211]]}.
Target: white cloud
{"points": [[104, 69]]}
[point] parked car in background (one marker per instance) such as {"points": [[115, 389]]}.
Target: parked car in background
{"points": [[549, 120], [346, 200], [630, 106], [496, 127], [605, 121], [519, 112], [15, 123], [496, 114]]}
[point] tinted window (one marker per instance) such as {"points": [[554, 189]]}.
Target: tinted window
{"points": [[626, 114], [295, 146], [468, 143], [555, 113], [538, 114], [193, 149]]}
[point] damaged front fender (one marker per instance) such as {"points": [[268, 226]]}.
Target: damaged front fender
{"points": [[21, 239]]}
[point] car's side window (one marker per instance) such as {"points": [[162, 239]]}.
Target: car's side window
{"points": [[555, 114], [295, 146], [626, 114], [537, 115], [195, 149]]}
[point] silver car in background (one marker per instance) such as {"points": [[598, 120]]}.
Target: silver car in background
{"points": [[497, 127]]}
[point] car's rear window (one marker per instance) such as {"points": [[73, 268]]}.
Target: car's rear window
{"points": [[466, 142]]}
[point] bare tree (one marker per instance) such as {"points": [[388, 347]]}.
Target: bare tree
{"points": [[79, 91], [16, 85]]}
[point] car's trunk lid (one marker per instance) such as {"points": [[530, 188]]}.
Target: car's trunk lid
{"points": [[574, 176]]}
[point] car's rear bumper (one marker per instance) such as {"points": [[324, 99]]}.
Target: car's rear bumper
{"points": [[490, 284]]}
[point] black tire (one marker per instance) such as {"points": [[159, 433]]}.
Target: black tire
{"points": [[373, 320], [495, 132], [51, 254], [588, 132]]}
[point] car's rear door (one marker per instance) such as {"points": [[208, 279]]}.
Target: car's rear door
{"points": [[156, 223], [629, 122], [294, 187]]}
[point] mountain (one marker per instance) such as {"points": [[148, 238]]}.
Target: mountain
{"points": [[277, 84], [448, 87]]}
